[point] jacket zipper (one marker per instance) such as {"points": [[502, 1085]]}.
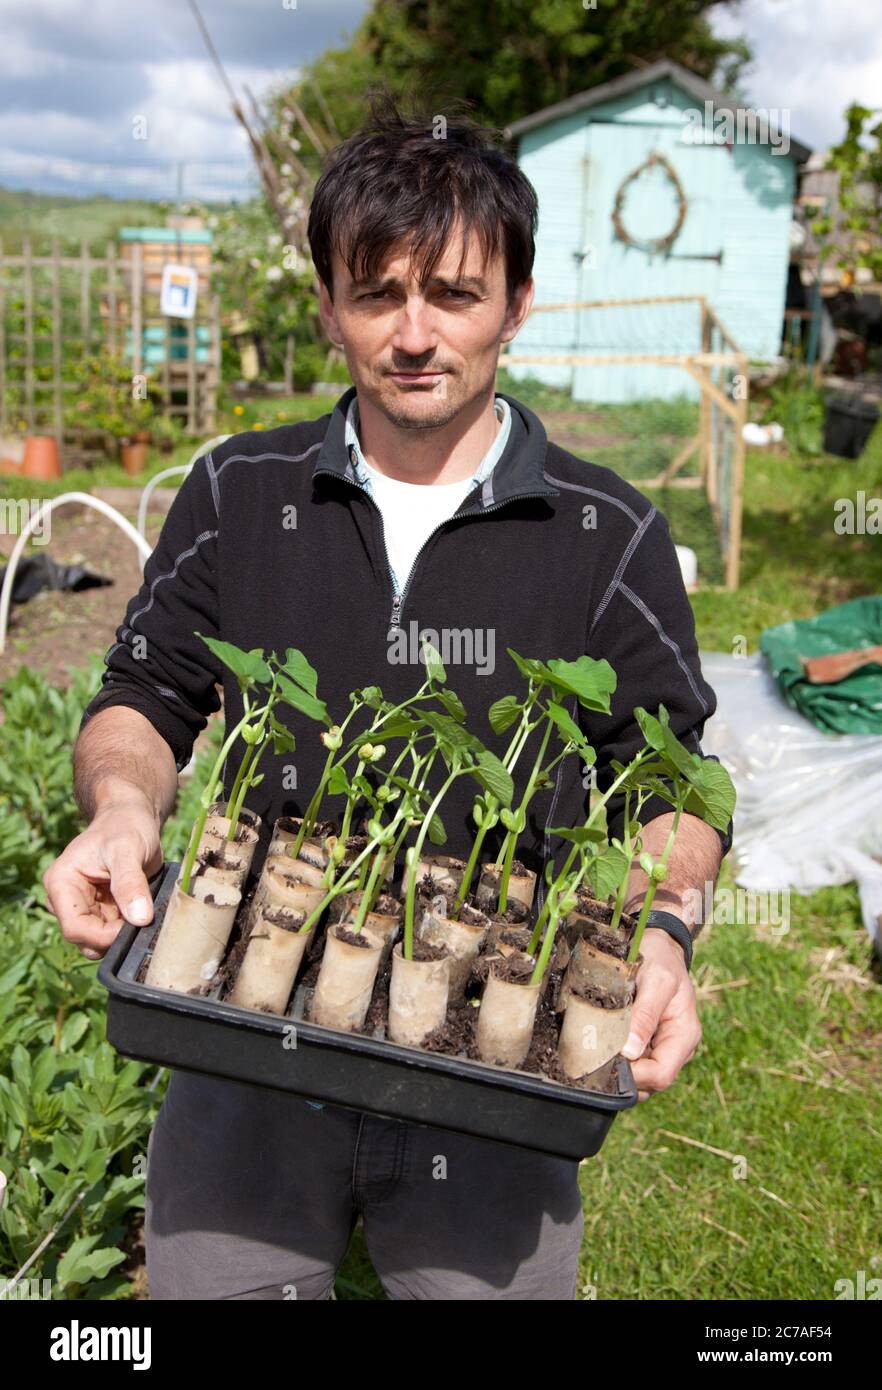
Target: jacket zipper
{"points": [[398, 598]]}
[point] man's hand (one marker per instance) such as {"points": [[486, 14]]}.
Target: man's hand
{"points": [[101, 877], [665, 1030]]}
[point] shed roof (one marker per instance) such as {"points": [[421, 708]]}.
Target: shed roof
{"points": [[631, 82]]}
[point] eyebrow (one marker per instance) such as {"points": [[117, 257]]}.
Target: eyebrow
{"points": [[470, 282]]}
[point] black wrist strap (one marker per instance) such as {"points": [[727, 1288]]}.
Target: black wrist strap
{"points": [[676, 928]]}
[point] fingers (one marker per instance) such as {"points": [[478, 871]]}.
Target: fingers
{"points": [[85, 918], [128, 884], [672, 1047]]}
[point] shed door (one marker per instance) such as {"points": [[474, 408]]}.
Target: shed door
{"points": [[614, 269]]}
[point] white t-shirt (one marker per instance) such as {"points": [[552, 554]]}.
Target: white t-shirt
{"points": [[412, 511]]}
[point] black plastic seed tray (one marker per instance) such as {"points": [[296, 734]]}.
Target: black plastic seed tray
{"points": [[205, 1034]]}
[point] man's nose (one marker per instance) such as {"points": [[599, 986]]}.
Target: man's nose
{"points": [[415, 332]]}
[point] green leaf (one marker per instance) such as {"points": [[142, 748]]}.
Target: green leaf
{"points": [[529, 667], [436, 832], [570, 731], [246, 666], [608, 871], [591, 681], [434, 665], [338, 782], [503, 713], [304, 702], [453, 704], [493, 776], [299, 669], [579, 834]]}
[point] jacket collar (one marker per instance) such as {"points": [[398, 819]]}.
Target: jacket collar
{"points": [[518, 472]]}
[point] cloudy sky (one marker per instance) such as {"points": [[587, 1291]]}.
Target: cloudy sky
{"points": [[75, 76]]}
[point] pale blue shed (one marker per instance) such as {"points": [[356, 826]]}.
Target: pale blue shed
{"points": [[707, 212]]}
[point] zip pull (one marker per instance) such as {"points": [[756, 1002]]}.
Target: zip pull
{"points": [[396, 610]]}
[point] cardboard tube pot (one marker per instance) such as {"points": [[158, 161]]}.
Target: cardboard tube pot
{"points": [[516, 915], [446, 873], [589, 965], [316, 850], [463, 939], [346, 979], [521, 887], [217, 822], [271, 961], [236, 853], [193, 936], [591, 1035], [505, 1019], [418, 996], [384, 924], [287, 883]]}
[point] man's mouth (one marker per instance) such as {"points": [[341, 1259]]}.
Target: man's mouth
{"points": [[416, 376]]}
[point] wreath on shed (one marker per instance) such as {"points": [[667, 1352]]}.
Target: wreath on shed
{"points": [[661, 243]]}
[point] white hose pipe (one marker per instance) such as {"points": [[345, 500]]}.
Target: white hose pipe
{"points": [[45, 509], [171, 472]]}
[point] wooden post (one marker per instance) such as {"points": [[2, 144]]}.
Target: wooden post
{"points": [[57, 397], [213, 371], [166, 363], [733, 556], [704, 405], [29, 334], [192, 424], [85, 301], [137, 317], [289, 365], [111, 298]]}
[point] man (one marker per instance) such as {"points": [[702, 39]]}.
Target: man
{"points": [[424, 501]]}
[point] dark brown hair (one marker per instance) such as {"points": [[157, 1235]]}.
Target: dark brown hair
{"points": [[409, 177]]}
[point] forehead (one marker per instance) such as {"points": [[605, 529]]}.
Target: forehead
{"points": [[402, 263]]}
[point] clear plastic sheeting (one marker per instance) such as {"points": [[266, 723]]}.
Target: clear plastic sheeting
{"points": [[809, 808]]}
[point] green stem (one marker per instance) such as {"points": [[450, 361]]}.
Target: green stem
{"points": [[207, 797], [412, 877], [511, 839], [651, 890]]}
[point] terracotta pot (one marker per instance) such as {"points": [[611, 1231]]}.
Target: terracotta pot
{"points": [[41, 458], [134, 457]]}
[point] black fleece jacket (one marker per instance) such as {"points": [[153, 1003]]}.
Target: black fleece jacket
{"points": [[272, 543]]}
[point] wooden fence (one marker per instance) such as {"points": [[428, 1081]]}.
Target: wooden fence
{"points": [[57, 310], [721, 370]]}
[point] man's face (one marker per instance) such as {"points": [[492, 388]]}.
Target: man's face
{"points": [[423, 355]]}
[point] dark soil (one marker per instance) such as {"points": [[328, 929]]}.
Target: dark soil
{"points": [[513, 969], [603, 998], [286, 919], [354, 938], [515, 913], [424, 950]]}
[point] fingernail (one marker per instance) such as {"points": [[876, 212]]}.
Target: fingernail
{"points": [[633, 1047], [139, 907], [90, 954]]}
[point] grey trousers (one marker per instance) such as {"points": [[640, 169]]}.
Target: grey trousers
{"points": [[252, 1193]]}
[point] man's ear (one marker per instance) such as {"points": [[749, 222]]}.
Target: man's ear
{"points": [[328, 314], [518, 309]]}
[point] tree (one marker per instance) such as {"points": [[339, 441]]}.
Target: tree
{"points": [[506, 58], [852, 234]]}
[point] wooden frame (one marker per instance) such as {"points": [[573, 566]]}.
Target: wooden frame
{"points": [[719, 366], [110, 298]]}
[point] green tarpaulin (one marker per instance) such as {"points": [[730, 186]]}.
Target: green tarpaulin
{"points": [[850, 706]]}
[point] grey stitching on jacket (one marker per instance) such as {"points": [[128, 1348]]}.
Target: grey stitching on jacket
{"points": [[594, 492], [668, 641], [620, 568], [184, 555]]}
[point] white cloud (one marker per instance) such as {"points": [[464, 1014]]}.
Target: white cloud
{"points": [[813, 59]]}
